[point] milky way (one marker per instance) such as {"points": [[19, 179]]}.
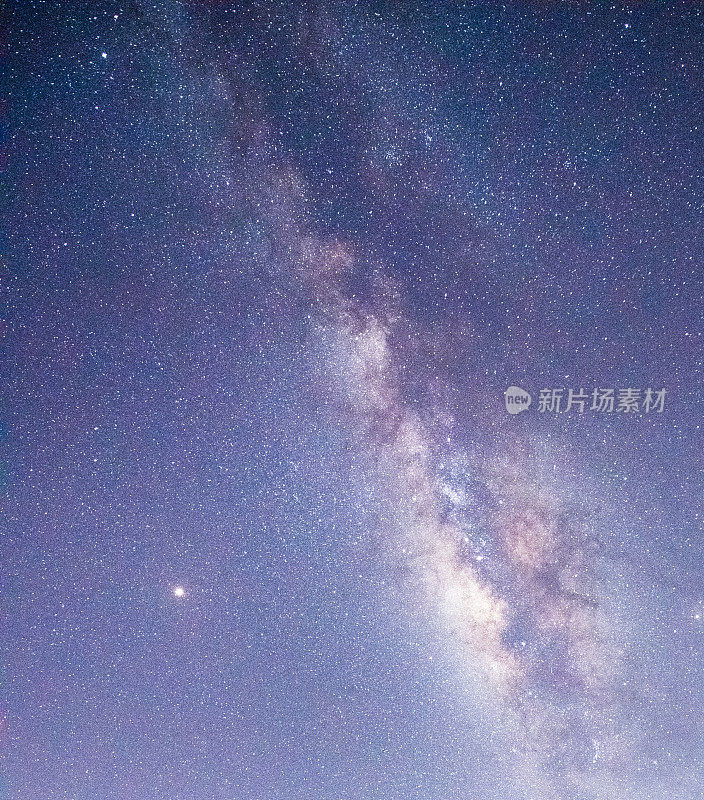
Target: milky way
{"points": [[272, 532]]}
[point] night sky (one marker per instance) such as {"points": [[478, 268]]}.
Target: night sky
{"points": [[271, 533]]}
